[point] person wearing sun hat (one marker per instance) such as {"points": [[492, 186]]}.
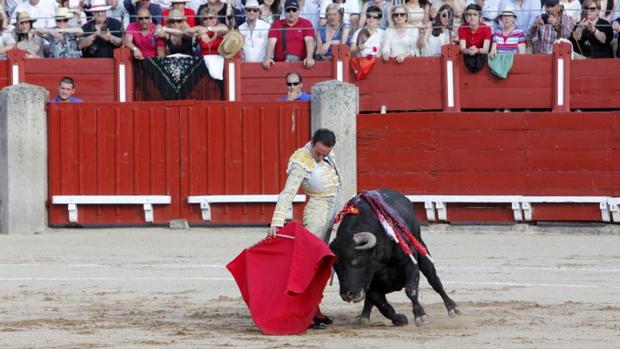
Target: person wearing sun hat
{"points": [[525, 12], [40, 10], [62, 39], [509, 38], [27, 40], [172, 34], [102, 34], [181, 5], [255, 31]]}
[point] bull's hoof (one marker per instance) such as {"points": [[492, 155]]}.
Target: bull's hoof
{"points": [[361, 321], [422, 320], [454, 312], [400, 320]]}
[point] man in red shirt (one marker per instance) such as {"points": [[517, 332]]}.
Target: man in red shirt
{"points": [[290, 39]]}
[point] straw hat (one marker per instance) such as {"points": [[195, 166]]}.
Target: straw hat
{"points": [[508, 11], [176, 15], [231, 45], [99, 5], [24, 16], [63, 13], [177, 1]]}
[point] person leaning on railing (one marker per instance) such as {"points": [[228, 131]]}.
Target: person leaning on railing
{"points": [[331, 33], [210, 33], [474, 35], [140, 36], [102, 34], [439, 34], [400, 39], [7, 40], [290, 39], [62, 40], [27, 40], [368, 41], [508, 39], [176, 42], [592, 35], [552, 25]]}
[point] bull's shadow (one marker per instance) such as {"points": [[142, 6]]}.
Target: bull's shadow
{"points": [[371, 263]]}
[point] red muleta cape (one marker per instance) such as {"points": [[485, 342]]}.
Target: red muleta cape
{"points": [[282, 279]]}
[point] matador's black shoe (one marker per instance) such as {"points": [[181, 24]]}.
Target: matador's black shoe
{"points": [[326, 320]]}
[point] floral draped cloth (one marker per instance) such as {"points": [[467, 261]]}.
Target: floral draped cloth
{"points": [[66, 47], [174, 78]]}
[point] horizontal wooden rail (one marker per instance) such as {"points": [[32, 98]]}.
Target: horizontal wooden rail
{"points": [[147, 202]]}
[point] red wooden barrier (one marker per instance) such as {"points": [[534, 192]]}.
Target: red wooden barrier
{"points": [[176, 148], [5, 68], [561, 154], [594, 83]]}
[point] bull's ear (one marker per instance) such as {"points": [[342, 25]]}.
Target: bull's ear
{"points": [[364, 240]]}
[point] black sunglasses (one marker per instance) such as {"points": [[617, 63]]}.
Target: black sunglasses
{"points": [[62, 20], [373, 15], [172, 21], [291, 9], [399, 14], [293, 83], [143, 18], [252, 9], [445, 15], [591, 9]]}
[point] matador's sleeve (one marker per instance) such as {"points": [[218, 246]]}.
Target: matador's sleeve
{"points": [[296, 175]]}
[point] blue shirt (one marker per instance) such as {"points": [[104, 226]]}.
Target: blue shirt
{"points": [[70, 100], [304, 97]]}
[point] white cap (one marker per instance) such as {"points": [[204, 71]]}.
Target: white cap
{"points": [[251, 4]]}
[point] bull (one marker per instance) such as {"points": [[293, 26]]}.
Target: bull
{"points": [[370, 264]]}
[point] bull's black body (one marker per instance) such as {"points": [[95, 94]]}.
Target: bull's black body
{"points": [[370, 273]]}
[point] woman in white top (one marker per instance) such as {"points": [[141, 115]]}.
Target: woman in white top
{"points": [[401, 39], [367, 41], [418, 12], [441, 33]]}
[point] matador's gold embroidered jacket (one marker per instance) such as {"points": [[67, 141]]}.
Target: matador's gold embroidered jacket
{"points": [[321, 183]]}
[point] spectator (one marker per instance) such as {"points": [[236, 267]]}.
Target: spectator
{"points": [[384, 5], [290, 39], [552, 25], [175, 41], [490, 11], [7, 40], [132, 9], [42, 11], [350, 10], [255, 31], [458, 7], [367, 41], [294, 86], [474, 36], [210, 33], [119, 12], [223, 10], [419, 12], [102, 34], [190, 15], [525, 12], [140, 36], [441, 33], [607, 8], [592, 35], [308, 9], [27, 40], [66, 89], [77, 9], [330, 33], [615, 46], [270, 10], [62, 39], [572, 8], [400, 40], [508, 39]]}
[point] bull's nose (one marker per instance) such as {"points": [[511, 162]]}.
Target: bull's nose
{"points": [[348, 296]]}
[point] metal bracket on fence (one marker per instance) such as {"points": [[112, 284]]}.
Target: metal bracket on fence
{"points": [[205, 201]]}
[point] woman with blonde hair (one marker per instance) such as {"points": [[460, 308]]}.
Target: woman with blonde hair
{"points": [[331, 33], [172, 34], [400, 39], [209, 33], [592, 35]]}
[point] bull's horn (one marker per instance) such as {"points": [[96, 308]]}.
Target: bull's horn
{"points": [[367, 240]]}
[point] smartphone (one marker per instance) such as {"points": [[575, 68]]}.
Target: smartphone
{"points": [[545, 18]]}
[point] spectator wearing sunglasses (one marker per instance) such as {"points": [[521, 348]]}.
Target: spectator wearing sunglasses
{"points": [[209, 33], [458, 8], [140, 36], [290, 39], [133, 6], [294, 86], [255, 31], [384, 5], [441, 33], [62, 39], [181, 5], [176, 42], [400, 39], [592, 35], [367, 41], [308, 9]]}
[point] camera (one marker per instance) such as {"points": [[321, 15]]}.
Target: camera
{"points": [[545, 18]]}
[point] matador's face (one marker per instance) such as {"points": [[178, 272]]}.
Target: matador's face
{"points": [[320, 151]]}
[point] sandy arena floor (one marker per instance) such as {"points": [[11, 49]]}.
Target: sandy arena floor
{"points": [[517, 287]]}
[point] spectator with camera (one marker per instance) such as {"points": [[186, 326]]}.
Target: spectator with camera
{"points": [[550, 26], [592, 35], [102, 34]]}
